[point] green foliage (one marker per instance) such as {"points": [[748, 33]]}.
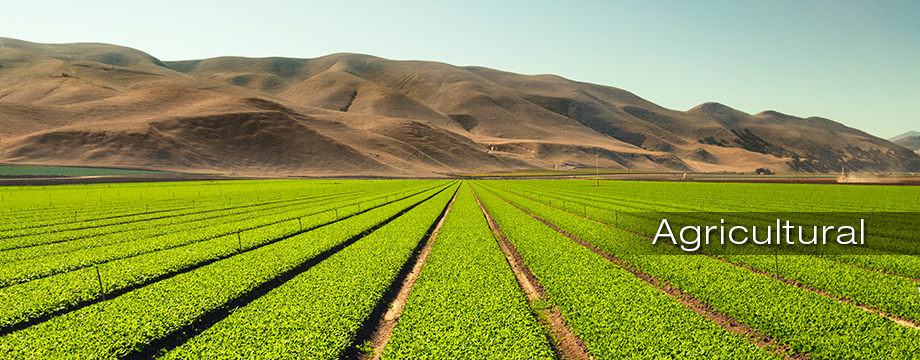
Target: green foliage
{"points": [[466, 303], [135, 262], [168, 255], [806, 321], [305, 318], [117, 326], [616, 314], [57, 171]]}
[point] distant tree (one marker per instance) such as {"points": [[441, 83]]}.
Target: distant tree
{"points": [[763, 171]]}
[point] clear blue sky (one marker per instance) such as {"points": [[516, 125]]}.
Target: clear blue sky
{"points": [[856, 62]]}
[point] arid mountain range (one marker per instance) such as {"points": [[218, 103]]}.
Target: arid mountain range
{"points": [[350, 114]]}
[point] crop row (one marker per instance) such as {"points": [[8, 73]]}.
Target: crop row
{"points": [[616, 314], [726, 197], [27, 270], [466, 302], [806, 321], [69, 241], [316, 314], [126, 204], [113, 203], [131, 321], [673, 198], [890, 294], [194, 209], [37, 298], [62, 242], [897, 235]]}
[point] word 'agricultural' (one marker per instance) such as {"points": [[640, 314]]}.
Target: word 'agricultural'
{"points": [[740, 235]]}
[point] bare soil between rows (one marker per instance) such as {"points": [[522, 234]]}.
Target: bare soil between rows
{"points": [[698, 306], [381, 334], [566, 344], [895, 319]]}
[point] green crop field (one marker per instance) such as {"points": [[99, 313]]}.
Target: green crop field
{"points": [[13, 171], [453, 269]]}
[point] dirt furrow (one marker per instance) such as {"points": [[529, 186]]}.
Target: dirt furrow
{"points": [[867, 269], [381, 334], [698, 306], [896, 319], [202, 323], [566, 344]]}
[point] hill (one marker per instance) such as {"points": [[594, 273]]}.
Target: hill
{"points": [[351, 114], [910, 142], [904, 135]]}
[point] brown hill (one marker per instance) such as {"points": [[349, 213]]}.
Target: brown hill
{"points": [[105, 105], [910, 142]]}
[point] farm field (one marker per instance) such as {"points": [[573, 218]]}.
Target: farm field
{"points": [[13, 171], [414, 269]]}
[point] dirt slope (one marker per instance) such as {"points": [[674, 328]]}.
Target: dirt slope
{"points": [[106, 105], [238, 135]]}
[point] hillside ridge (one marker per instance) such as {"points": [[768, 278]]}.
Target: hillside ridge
{"points": [[340, 114]]}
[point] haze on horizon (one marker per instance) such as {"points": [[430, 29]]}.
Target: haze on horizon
{"points": [[855, 62]]}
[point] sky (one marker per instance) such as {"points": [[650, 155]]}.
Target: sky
{"points": [[855, 62]]}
